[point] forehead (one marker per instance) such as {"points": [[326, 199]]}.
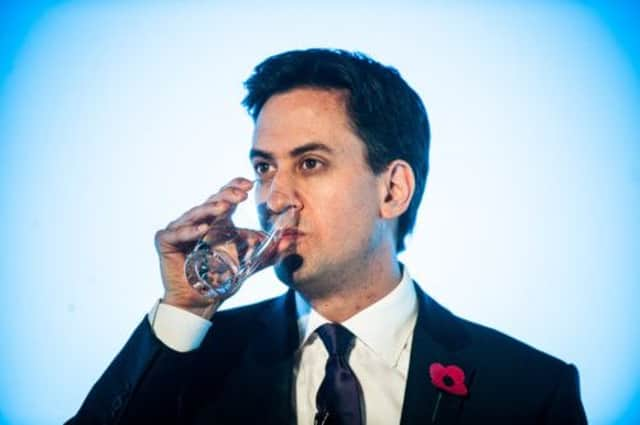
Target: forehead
{"points": [[305, 115]]}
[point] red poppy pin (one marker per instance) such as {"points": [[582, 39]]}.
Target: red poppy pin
{"points": [[449, 379]]}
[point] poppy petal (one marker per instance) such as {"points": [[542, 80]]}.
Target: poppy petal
{"points": [[448, 378]]}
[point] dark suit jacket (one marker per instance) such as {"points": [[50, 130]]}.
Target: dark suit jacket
{"points": [[243, 374]]}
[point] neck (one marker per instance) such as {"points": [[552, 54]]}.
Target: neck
{"points": [[357, 290]]}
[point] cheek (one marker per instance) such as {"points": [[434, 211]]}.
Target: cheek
{"points": [[346, 209]]}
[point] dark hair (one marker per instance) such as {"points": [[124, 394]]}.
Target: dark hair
{"points": [[383, 110]]}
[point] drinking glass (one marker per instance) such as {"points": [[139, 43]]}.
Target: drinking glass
{"points": [[227, 255]]}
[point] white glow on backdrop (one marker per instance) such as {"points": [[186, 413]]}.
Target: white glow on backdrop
{"points": [[116, 119]]}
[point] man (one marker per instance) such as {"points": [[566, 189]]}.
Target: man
{"points": [[345, 139]]}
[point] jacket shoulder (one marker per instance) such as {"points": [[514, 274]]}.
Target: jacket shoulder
{"points": [[502, 345], [529, 380], [489, 343], [499, 356]]}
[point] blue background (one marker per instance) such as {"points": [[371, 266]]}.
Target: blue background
{"points": [[115, 117]]}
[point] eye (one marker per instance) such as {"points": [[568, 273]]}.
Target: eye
{"points": [[261, 168], [310, 164]]}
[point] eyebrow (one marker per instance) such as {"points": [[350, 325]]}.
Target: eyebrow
{"points": [[295, 152], [257, 153]]}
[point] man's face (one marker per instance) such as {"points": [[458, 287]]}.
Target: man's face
{"points": [[304, 148]]}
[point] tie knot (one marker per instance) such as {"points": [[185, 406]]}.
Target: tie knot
{"points": [[336, 338]]}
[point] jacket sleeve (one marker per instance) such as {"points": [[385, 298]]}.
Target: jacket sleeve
{"points": [[565, 406], [144, 383]]}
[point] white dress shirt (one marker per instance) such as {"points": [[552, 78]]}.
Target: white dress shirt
{"points": [[379, 358]]}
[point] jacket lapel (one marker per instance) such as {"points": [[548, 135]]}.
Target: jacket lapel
{"points": [[260, 389], [270, 361], [438, 338]]}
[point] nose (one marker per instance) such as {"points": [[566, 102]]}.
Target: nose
{"points": [[278, 202], [277, 199], [279, 194]]}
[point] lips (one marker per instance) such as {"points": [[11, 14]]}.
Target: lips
{"points": [[289, 240], [291, 233]]}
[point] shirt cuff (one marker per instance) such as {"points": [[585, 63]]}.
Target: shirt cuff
{"points": [[178, 329]]}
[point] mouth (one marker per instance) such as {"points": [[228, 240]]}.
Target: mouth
{"points": [[291, 234]]}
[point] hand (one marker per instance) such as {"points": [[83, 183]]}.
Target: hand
{"points": [[178, 239]]}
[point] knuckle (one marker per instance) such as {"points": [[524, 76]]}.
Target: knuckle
{"points": [[238, 181], [184, 231], [219, 206], [229, 191], [244, 182], [159, 237]]}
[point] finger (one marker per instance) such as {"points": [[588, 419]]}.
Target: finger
{"points": [[233, 192], [206, 212], [223, 203], [239, 182], [229, 190], [171, 240]]}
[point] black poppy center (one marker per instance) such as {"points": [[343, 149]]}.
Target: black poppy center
{"points": [[448, 381]]}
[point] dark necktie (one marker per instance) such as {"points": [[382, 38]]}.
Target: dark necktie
{"points": [[339, 399]]}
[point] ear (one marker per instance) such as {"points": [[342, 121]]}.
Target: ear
{"points": [[397, 185]]}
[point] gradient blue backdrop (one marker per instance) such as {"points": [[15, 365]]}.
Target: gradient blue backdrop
{"points": [[115, 117]]}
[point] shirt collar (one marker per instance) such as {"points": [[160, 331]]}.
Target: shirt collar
{"points": [[384, 326]]}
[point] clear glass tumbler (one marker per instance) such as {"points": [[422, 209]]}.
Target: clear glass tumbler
{"points": [[227, 255]]}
